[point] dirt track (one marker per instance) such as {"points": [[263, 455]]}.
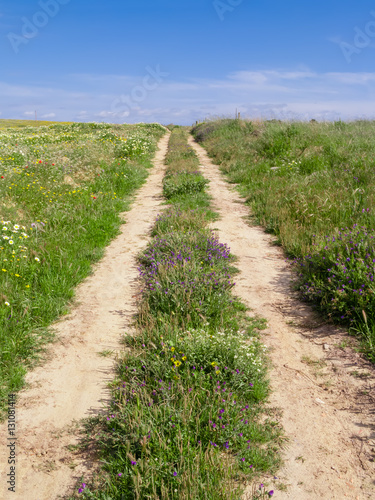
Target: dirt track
{"points": [[72, 384], [325, 411], [326, 416]]}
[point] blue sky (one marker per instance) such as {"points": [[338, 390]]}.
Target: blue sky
{"points": [[181, 61]]}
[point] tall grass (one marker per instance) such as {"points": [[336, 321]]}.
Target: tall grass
{"points": [[310, 184], [187, 418], [62, 188]]}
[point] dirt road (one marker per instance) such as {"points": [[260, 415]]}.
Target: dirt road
{"points": [[324, 389]]}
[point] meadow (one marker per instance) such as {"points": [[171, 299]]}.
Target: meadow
{"points": [[312, 186], [62, 188], [188, 417], [28, 123]]}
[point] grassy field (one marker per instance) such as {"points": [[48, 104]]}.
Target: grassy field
{"points": [[313, 186], [27, 123], [62, 188], [188, 418]]}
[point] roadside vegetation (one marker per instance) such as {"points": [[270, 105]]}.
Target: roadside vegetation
{"points": [[62, 188], [187, 418], [313, 186]]}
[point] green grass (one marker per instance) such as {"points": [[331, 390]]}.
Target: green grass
{"points": [[188, 418], [184, 185], [62, 188], [312, 185]]}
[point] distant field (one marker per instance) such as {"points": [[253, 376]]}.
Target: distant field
{"points": [[62, 188], [313, 186], [27, 123]]}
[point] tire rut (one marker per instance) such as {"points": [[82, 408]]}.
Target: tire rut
{"points": [[72, 383], [328, 420]]}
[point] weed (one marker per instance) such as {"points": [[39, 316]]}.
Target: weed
{"points": [[106, 353]]}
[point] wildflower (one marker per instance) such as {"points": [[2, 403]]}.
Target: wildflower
{"points": [[7, 303], [119, 474], [82, 488], [133, 462], [271, 493], [175, 473], [10, 242]]}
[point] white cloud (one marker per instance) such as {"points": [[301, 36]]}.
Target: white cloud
{"points": [[352, 78], [290, 94], [112, 114]]}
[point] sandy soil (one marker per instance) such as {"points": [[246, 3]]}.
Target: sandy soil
{"points": [[71, 384], [325, 392]]}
